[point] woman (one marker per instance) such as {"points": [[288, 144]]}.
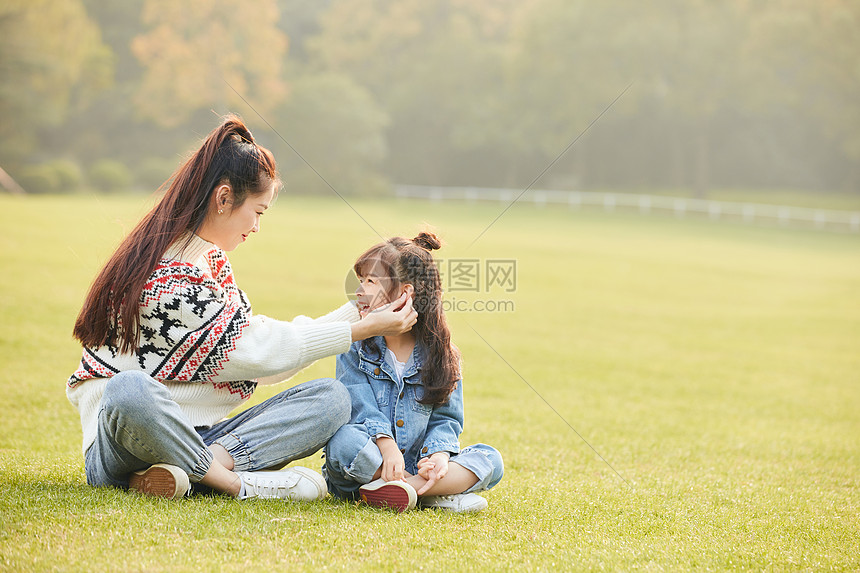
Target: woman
{"points": [[171, 346]]}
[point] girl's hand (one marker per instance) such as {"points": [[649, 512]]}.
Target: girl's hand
{"points": [[424, 467], [392, 460], [432, 469], [388, 320]]}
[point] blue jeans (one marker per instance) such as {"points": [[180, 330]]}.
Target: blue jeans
{"points": [[352, 457], [140, 425]]}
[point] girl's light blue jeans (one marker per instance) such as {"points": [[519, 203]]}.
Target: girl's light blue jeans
{"points": [[140, 425], [352, 457]]}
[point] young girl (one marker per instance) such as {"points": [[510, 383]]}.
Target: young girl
{"points": [[401, 445], [171, 346]]}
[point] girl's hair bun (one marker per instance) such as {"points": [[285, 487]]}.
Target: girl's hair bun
{"points": [[427, 241]]}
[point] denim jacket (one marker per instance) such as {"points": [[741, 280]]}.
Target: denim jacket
{"points": [[387, 407]]}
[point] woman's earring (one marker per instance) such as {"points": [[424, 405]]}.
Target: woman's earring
{"points": [[220, 211]]}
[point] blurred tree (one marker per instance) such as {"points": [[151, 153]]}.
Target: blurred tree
{"points": [[109, 126], [694, 59], [451, 92], [52, 60], [812, 56], [838, 53], [338, 128], [300, 20], [563, 69], [192, 48], [436, 69], [683, 58]]}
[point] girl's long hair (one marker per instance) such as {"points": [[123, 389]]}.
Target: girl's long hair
{"points": [[410, 262], [110, 314]]}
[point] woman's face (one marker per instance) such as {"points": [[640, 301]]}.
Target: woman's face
{"points": [[233, 225]]}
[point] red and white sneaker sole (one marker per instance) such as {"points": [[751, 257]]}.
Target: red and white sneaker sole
{"points": [[396, 495]]}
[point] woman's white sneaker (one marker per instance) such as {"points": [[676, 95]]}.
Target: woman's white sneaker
{"points": [[295, 484], [458, 502]]}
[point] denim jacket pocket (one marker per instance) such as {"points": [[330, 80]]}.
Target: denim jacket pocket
{"points": [[377, 378], [420, 408], [414, 392], [382, 391]]}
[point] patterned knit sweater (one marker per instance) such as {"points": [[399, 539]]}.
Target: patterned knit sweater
{"points": [[199, 338]]}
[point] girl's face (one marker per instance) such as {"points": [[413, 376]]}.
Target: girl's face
{"points": [[233, 226], [372, 291]]}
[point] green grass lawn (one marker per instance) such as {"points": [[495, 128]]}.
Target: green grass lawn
{"points": [[667, 394]]}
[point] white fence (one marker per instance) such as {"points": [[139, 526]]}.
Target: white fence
{"points": [[646, 204]]}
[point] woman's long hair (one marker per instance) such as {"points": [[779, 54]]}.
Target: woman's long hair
{"points": [[410, 262], [110, 314]]}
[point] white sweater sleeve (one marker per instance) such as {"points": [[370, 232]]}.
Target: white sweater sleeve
{"points": [[345, 314]]}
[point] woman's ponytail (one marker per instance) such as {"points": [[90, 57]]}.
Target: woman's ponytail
{"points": [[228, 155]]}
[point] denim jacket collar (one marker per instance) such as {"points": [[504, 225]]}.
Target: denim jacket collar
{"points": [[374, 364]]}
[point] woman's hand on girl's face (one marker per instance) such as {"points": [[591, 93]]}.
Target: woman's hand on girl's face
{"points": [[389, 320], [402, 316]]}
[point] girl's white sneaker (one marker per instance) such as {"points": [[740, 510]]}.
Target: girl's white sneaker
{"points": [[295, 484], [396, 495], [458, 502]]}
